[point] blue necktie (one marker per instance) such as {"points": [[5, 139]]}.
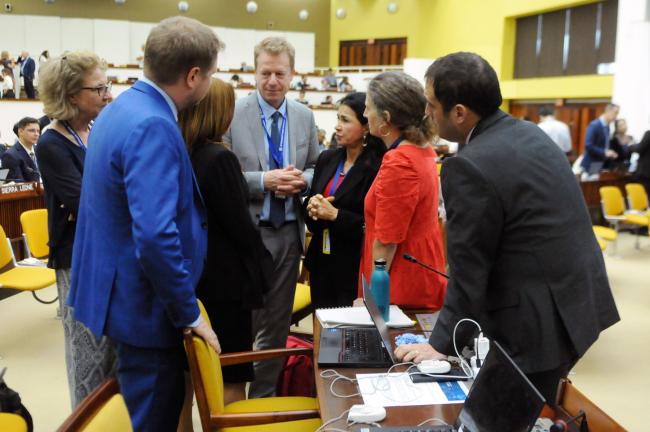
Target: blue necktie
{"points": [[277, 214]]}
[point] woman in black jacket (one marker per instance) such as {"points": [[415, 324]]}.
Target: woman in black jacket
{"points": [[334, 208], [236, 271]]}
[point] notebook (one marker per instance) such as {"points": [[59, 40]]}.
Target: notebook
{"points": [[359, 317]]}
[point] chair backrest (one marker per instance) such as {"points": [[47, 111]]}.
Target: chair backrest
{"points": [[637, 198], [12, 423], [612, 200], [6, 256], [104, 409], [34, 223], [205, 368]]}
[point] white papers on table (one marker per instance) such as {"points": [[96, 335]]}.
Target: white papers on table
{"points": [[397, 389], [359, 317]]}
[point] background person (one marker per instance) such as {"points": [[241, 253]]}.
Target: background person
{"points": [[238, 266], [523, 259], [597, 137], [556, 130], [620, 143], [20, 159], [334, 208], [275, 141], [134, 274], [401, 207], [642, 172], [74, 89]]}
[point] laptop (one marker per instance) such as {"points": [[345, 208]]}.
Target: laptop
{"points": [[3, 175], [501, 399], [358, 347]]}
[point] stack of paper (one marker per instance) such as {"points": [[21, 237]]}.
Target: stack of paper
{"points": [[359, 317]]}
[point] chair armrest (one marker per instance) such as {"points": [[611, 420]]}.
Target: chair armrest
{"points": [[251, 356], [251, 419]]}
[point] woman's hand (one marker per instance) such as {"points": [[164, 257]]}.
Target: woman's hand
{"points": [[417, 352], [320, 207]]}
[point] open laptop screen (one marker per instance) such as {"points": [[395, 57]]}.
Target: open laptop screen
{"points": [[501, 399], [377, 318]]}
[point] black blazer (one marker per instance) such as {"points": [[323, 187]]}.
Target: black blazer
{"points": [[643, 148], [21, 166], [62, 166], [523, 258], [238, 266], [346, 232]]}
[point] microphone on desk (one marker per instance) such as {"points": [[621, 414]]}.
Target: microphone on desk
{"points": [[409, 258], [563, 426]]}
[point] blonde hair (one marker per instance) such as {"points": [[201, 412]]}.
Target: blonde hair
{"points": [[403, 97], [63, 77], [176, 45], [208, 120], [275, 46]]}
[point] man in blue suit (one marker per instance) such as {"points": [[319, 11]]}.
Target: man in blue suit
{"points": [[141, 230], [27, 69], [597, 141]]}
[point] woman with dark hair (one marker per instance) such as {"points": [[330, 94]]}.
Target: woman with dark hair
{"points": [[335, 207], [238, 265], [401, 207]]}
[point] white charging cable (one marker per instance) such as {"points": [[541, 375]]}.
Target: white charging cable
{"points": [[463, 363]]}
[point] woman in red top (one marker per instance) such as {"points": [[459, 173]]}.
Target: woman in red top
{"points": [[401, 207]]}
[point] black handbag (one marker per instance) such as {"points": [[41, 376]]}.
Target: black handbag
{"points": [[10, 402]]}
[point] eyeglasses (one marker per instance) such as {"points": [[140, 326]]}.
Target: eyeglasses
{"points": [[101, 90]]}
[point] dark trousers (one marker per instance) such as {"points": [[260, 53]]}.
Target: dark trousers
{"points": [[29, 88], [153, 385], [547, 382]]}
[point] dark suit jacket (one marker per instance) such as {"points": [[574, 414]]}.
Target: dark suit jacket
{"points": [[28, 70], [643, 148], [523, 258], [346, 232], [238, 266], [21, 166], [62, 165], [595, 141]]}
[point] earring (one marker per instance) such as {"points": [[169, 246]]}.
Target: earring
{"points": [[364, 141]]}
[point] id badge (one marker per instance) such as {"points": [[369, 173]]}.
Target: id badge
{"points": [[326, 241]]}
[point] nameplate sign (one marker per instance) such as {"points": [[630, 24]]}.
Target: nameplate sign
{"points": [[18, 187]]}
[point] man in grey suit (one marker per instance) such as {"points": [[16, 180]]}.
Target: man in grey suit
{"points": [[523, 259], [276, 142]]}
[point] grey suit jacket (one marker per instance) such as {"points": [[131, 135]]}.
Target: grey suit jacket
{"points": [[247, 140]]}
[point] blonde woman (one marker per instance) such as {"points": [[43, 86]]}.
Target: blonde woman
{"points": [[74, 89]]}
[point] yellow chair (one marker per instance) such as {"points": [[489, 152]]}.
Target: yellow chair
{"points": [[301, 303], [637, 199], [35, 233], [276, 414], [103, 410], [12, 423], [22, 278], [613, 206], [604, 234]]}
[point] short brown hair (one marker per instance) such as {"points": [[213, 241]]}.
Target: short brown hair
{"points": [[403, 97], [62, 77], [176, 45], [208, 120], [276, 45]]}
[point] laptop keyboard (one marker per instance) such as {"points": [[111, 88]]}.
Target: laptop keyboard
{"points": [[362, 344], [410, 429]]}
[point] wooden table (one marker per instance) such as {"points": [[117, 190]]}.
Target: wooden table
{"points": [[14, 200], [331, 406]]}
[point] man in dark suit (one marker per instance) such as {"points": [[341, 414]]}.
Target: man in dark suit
{"points": [[523, 258], [597, 149], [27, 69], [20, 159], [642, 172], [134, 272]]}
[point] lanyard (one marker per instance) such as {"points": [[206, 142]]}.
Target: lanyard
{"points": [[74, 134], [396, 143], [278, 155], [335, 180]]}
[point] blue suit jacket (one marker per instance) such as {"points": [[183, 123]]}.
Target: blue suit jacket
{"points": [[28, 70], [141, 233], [595, 143]]}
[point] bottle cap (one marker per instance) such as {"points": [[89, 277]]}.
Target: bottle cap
{"points": [[380, 262]]}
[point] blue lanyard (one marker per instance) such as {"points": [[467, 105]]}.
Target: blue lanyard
{"points": [[74, 134], [396, 143], [278, 155], [335, 180]]}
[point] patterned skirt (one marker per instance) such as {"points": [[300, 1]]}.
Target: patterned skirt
{"points": [[89, 360]]}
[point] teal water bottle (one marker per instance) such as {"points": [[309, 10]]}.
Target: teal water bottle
{"points": [[380, 288]]}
